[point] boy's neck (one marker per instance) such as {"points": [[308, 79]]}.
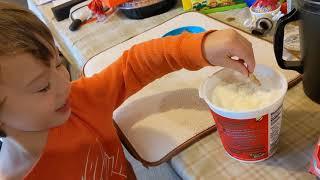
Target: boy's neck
{"points": [[20, 152], [32, 142]]}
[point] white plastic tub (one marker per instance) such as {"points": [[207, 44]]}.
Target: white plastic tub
{"points": [[248, 135]]}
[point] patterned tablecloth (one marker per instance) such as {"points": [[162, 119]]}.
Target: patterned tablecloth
{"points": [[207, 159]]}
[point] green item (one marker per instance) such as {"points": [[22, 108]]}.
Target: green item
{"points": [[224, 8], [212, 6]]}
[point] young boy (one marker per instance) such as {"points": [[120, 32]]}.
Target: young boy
{"points": [[53, 129]]}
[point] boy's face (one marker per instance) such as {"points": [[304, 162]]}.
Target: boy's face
{"points": [[35, 93]]}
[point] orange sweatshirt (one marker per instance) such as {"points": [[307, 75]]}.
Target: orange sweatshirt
{"points": [[87, 145]]}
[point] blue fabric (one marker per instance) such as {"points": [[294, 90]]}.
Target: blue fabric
{"points": [[190, 29], [250, 2]]}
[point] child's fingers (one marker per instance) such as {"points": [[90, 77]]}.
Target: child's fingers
{"points": [[244, 53], [241, 61], [248, 45], [236, 65], [252, 62]]}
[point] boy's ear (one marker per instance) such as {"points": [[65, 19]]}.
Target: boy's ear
{"points": [[2, 99], [2, 133]]}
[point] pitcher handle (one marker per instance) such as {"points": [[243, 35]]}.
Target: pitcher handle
{"points": [[278, 43]]}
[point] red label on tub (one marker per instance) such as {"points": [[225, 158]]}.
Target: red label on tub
{"points": [[244, 139], [315, 162]]}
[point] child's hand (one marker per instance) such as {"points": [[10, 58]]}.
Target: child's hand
{"points": [[220, 46]]}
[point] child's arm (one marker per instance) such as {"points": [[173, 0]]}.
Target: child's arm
{"points": [[148, 61]]}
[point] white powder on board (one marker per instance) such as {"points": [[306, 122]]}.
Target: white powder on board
{"points": [[245, 95]]}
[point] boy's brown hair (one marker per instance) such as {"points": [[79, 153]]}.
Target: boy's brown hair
{"points": [[21, 31]]}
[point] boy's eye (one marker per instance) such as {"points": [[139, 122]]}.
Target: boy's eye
{"points": [[59, 65], [44, 90]]}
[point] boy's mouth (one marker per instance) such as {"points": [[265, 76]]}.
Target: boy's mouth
{"points": [[64, 108]]}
